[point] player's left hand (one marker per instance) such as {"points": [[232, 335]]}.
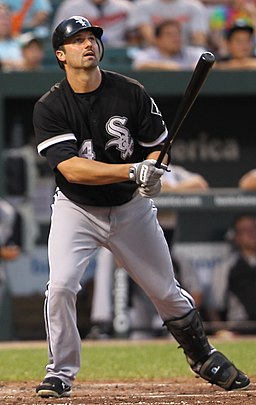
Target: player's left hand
{"points": [[150, 191], [146, 173]]}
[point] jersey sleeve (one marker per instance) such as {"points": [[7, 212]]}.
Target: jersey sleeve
{"points": [[50, 127], [152, 129], [57, 153]]}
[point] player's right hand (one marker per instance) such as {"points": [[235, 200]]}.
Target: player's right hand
{"points": [[152, 191], [146, 173]]}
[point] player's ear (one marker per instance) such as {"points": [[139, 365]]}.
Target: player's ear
{"points": [[60, 54], [101, 48]]}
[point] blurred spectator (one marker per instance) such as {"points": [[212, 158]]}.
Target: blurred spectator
{"points": [[178, 180], [10, 51], [111, 15], [223, 16], [192, 14], [248, 181], [234, 284], [8, 232], [32, 52], [10, 252], [29, 14], [8, 248], [240, 48], [169, 51]]}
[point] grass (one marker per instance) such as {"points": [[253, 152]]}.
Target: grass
{"points": [[122, 361]]}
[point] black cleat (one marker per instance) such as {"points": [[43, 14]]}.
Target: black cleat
{"points": [[241, 382], [53, 387], [219, 370]]}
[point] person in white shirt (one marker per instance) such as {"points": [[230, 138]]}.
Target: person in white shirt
{"points": [[192, 14], [111, 15], [169, 51]]}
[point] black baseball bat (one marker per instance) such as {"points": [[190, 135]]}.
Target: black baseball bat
{"points": [[199, 75]]}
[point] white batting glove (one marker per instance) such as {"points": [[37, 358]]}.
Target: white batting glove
{"points": [[150, 191], [146, 173]]}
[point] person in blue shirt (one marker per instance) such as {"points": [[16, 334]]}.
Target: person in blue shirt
{"points": [[10, 50], [29, 14]]}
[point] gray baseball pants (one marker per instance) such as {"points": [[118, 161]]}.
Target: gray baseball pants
{"points": [[132, 232]]}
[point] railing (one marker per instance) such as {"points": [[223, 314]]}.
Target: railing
{"points": [[217, 199]]}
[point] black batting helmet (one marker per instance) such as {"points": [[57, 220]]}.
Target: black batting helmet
{"points": [[70, 27]]}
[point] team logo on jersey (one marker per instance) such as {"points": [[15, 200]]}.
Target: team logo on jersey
{"points": [[122, 137]]}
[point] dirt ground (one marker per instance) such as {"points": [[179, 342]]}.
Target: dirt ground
{"points": [[172, 392]]}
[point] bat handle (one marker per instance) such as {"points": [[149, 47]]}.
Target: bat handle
{"points": [[161, 156], [165, 149]]}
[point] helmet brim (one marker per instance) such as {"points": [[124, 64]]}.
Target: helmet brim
{"points": [[97, 31]]}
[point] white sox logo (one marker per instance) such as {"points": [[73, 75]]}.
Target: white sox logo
{"points": [[123, 140], [82, 21]]}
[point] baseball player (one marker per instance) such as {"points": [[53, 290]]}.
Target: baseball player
{"points": [[101, 134]]}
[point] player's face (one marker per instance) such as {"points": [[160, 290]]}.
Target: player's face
{"points": [[245, 233], [80, 51]]}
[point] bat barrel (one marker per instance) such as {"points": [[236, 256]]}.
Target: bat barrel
{"points": [[199, 75]]}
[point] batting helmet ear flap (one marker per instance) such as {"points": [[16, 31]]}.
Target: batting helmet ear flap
{"points": [[101, 48]]}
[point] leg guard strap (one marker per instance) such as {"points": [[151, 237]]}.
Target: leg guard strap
{"points": [[217, 369]]}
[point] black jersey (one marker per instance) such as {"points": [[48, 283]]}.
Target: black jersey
{"points": [[117, 123]]}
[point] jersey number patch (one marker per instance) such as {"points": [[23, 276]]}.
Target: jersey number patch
{"points": [[86, 151]]}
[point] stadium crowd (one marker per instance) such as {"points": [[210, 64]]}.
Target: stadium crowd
{"points": [[156, 34]]}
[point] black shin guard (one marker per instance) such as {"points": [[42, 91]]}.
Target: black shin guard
{"points": [[204, 360], [190, 334]]}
